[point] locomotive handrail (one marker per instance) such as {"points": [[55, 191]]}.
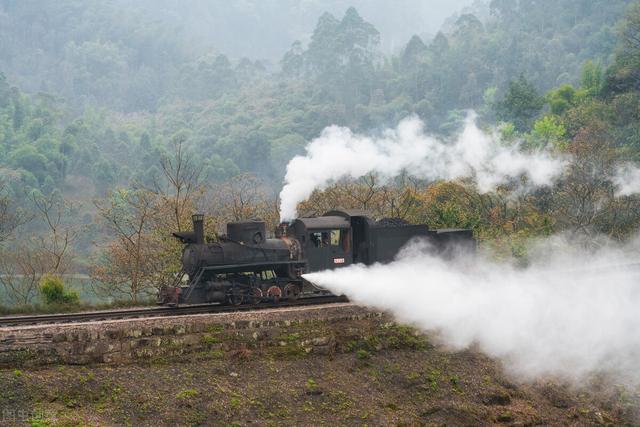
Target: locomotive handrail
{"points": [[244, 266], [193, 283]]}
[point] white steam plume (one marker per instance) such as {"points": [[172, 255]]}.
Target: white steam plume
{"points": [[627, 180], [339, 153], [565, 316]]}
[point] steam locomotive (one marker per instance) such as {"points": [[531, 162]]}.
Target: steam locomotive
{"points": [[245, 266]]}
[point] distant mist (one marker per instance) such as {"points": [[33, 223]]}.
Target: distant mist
{"points": [[265, 30]]}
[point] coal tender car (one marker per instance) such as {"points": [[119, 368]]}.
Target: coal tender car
{"points": [[245, 267]]}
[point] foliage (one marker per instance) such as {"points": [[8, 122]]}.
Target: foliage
{"points": [[240, 198], [520, 104], [362, 354], [371, 194], [9, 216], [562, 99], [53, 291], [623, 75], [122, 91], [548, 130], [131, 265], [187, 394], [125, 111]]}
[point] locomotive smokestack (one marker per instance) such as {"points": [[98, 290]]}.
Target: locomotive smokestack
{"points": [[198, 228]]}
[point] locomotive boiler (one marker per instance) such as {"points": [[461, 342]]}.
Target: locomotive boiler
{"points": [[244, 266]]}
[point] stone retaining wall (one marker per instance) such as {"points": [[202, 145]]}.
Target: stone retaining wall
{"points": [[285, 332]]}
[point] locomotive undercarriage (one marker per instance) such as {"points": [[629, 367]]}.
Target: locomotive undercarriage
{"points": [[241, 287], [251, 288]]}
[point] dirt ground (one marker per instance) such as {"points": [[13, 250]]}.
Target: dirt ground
{"points": [[413, 384]]}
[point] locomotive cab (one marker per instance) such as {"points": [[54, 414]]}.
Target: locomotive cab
{"points": [[326, 241]]}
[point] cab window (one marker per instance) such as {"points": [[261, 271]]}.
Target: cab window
{"points": [[335, 237], [319, 239], [323, 239]]}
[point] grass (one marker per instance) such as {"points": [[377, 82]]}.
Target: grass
{"points": [[433, 379], [187, 394], [363, 354], [312, 386], [505, 417], [410, 388], [210, 339]]}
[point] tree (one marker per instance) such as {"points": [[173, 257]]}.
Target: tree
{"points": [[61, 233], [413, 51], [292, 62], [47, 248], [242, 198], [548, 130], [341, 57], [448, 205], [562, 98], [397, 198], [592, 79], [583, 198], [520, 105], [129, 265], [22, 265], [183, 182], [624, 74], [321, 52], [10, 217]]}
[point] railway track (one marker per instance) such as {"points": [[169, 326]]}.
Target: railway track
{"points": [[48, 319]]}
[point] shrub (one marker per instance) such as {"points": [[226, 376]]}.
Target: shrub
{"points": [[53, 291]]}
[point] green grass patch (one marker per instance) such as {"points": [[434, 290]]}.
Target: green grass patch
{"points": [[187, 394], [363, 354], [210, 339]]}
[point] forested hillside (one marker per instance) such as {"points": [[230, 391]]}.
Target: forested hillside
{"points": [[98, 104], [104, 90]]}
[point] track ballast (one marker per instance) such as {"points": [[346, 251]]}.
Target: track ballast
{"points": [[48, 319]]}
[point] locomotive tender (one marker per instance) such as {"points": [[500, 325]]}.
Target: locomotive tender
{"points": [[246, 267]]}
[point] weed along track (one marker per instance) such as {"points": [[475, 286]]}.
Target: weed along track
{"points": [[160, 312]]}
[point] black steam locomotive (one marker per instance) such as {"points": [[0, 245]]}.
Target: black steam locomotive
{"points": [[246, 267]]}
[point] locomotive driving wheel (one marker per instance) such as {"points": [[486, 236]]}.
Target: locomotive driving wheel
{"points": [[274, 292], [235, 296], [291, 291], [256, 295]]}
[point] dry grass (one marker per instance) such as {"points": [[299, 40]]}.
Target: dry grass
{"points": [[412, 383]]}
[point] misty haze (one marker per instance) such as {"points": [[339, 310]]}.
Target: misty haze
{"points": [[306, 212]]}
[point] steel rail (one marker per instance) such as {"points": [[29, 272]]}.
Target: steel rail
{"points": [[66, 318]]}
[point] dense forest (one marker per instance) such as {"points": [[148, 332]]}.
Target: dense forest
{"points": [[114, 125]]}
